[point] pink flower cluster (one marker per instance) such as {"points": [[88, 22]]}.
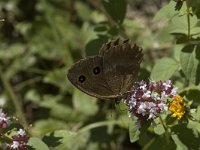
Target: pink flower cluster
{"points": [[149, 99], [18, 141]]}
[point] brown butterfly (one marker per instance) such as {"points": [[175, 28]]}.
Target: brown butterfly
{"points": [[111, 74]]}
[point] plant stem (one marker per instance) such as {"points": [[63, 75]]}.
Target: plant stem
{"points": [[188, 20], [16, 102], [98, 124], [167, 134]]}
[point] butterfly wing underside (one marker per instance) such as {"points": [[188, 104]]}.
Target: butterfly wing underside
{"points": [[87, 75]]}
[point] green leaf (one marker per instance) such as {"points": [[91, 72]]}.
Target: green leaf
{"points": [[116, 9], [37, 144], [190, 62], [177, 50], [164, 69], [195, 126], [20, 63], [65, 139], [195, 6], [158, 142], [45, 126], [12, 51], [93, 46], [167, 12], [159, 129], [179, 144], [187, 135], [191, 93], [33, 95], [57, 108], [101, 27], [83, 10], [84, 103], [134, 131], [162, 35], [196, 114], [179, 25]]}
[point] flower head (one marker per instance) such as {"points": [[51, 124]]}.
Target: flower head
{"points": [[148, 100], [177, 107], [14, 145], [19, 141]]}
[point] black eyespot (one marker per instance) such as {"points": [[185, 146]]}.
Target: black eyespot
{"points": [[96, 70], [82, 78]]}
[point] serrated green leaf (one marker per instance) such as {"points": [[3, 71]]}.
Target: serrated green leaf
{"points": [[164, 69], [37, 144]]}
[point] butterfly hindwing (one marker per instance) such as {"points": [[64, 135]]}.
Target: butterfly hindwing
{"points": [[121, 63]]}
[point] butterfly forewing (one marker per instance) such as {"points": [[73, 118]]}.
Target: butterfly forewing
{"points": [[87, 75]]}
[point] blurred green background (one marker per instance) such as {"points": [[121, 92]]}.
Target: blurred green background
{"points": [[41, 39]]}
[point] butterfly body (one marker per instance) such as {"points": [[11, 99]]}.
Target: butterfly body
{"points": [[111, 74]]}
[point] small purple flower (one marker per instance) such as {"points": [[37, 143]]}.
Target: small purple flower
{"points": [[15, 145], [19, 141], [146, 94], [148, 100], [4, 120]]}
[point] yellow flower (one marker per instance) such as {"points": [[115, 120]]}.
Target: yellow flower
{"points": [[177, 107]]}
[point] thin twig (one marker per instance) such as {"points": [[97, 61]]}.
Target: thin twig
{"points": [[98, 124], [188, 20], [167, 135]]}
